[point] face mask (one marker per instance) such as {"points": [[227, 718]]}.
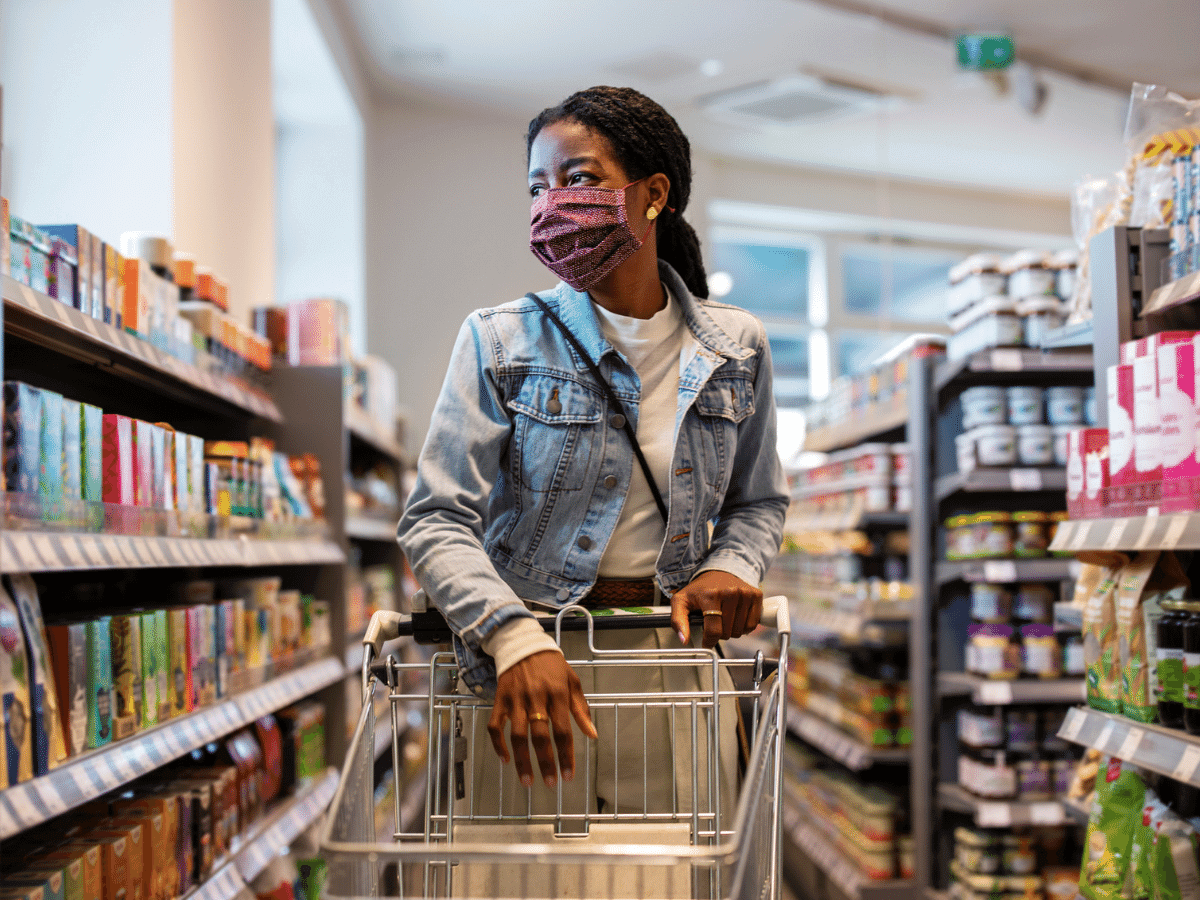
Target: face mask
{"points": [[581, 233]]}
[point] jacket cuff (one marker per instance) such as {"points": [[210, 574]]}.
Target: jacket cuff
{"points": [[727, 561], [514, 641]]}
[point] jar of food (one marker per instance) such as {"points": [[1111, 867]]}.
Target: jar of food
{"points": [[1020, 851], [979, 852], [1169, 662], [1062, 437], [991, 651], [1025, 405], [1062, 773], [983, 405], [1035, 445], [993, 535], [1064, 405], [1034, 604], [1052, 720], [990, 603], [1040, 651], [1056, 519], [1191, 669], [1021, 729], [960, 538], [1073, 661], [1030, 534], [995, 445], [964, 452], [992, 775], [978, 730]]}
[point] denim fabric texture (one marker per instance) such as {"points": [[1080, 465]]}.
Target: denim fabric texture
{"points": [[524, 474]]}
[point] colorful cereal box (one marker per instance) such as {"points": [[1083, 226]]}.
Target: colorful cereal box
{"points": [[49, 749], [68, 653], [17, 764], [118, 460]]}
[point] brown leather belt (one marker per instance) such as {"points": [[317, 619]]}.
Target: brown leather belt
{"points": [[610, 593]]}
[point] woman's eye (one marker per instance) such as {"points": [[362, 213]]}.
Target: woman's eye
{"points": [[536, 189], [579, 178]]}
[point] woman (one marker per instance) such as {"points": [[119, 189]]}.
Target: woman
{"points": [[529, 490]]}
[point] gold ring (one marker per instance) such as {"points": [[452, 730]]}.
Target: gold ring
{"points": [[713, 612], [539, 717]]}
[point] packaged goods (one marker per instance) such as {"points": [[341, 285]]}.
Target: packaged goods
{"points": [[1147, 424], [118, 460], [197, 794], [180, 681], [1137, 625], [63, 264], [990, 603], [22, 437], [81, 241], [1108, 845], [132, 855], [70, 868], [49, 747], [115, 858], [991, 651], [995, 445], [148, 656], [99, 655], [1040, 652], [143, 463], [267, 731], [88, 854], [160, 487], [318, 332], [68, 654], [1169, 688], [14, 696], [303, 729], [50, 880], [1191, 669], [1121, 425], [1177, 407], [228, 616], [1035, 445], [128, 689], [1101, 653], [1025, 405], [140, 289]]}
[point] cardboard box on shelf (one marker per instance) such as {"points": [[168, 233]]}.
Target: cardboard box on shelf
{"points": [[49, 746], [68, 654], [119, 478]]}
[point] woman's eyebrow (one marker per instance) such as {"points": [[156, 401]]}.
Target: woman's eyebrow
{"points": [[567, 164]]}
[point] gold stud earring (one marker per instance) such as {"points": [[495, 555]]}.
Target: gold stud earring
{"points": [[652, 214]]}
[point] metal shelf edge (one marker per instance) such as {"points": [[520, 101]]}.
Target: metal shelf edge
{"points": [[994, 692], [1167, 751], [1169, 531], [1001, 813], [832, 741], [95, 773], [872, 422], [1018, 478]]}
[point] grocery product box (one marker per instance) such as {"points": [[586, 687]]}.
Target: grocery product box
{"points": [[138, 301], [117, 454], [114, 286], [49, 748], [72, 449], [201, 640], [198, 793], [128, 690], [159, 493], [180, 672], [50, 880], [88, 855], [81, 239], [1121, 424], [91, 452], [147, 627], [152, 843], [125, 839], [69, 657], [1088, 481], [22, 437], [162, 812], [143, 463], [100, 674], [16, 765], [162, 650], [61, 274], [1177, 408], [303, 731], [115, 863], [51, 483], [71, 871], [29, 254], [318, 332]]}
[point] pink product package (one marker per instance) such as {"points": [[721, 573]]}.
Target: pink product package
{"points": [[1120, 424], [143, 463], [1097, 483], [1147, 426], [1177, 409]]}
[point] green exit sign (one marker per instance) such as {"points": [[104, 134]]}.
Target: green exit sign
{"points": [[985, 51]]}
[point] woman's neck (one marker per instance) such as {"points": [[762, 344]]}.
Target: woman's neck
{"points": [[634, 288]]}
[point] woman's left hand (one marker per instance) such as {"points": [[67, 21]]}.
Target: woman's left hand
{"points": [[731, 607]]}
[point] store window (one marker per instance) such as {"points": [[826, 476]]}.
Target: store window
{"points": [[896, 282]]}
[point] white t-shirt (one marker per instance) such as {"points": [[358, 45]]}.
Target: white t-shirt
{"points": [[655, 348]]}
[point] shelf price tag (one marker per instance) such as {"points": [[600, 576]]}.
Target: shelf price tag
{"points": [[1063, 535], [1073, 724], [83, 782], [1113, 541], [1025, 479], [993, 815], [1175, 530], [49, 796], [1130, 745], [1003, 571], [1106, 734], [1045, 813], [1082, 532], [1188, 763], [995, 693], [22, 807], [1144, 535], [1007, 361]]}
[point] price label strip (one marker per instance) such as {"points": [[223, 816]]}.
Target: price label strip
{"points": [[1082, 532], [1115, 533], [993, 815], [1025, 479], [1106, 734], [1007, 361], [1073, 724], [1000, 570], [1063, 535], [1143, 539], [1046, 813], [1175, 529], [993, 693], [1129, 746]]}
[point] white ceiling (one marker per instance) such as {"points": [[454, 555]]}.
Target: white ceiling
{"points": [[518, 56]]}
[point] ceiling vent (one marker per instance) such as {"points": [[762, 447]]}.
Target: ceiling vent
{"points": [[794, 100]]}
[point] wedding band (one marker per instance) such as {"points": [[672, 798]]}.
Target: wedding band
{"points": [[713, 612], [539, 717]]}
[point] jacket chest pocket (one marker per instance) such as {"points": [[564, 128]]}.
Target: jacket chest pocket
{"points": [[555, 422], [721, 405]]}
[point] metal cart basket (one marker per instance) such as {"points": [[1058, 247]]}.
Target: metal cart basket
{"points": [[670, 821]]}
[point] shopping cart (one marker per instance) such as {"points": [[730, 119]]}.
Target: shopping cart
{"points": [[686, 835]]}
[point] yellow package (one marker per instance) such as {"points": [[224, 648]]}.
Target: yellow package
{"points": [[1100, 652]]}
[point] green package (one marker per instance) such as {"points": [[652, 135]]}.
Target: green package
{"points": [[1120, 795], [92, 452], [1100, 652], [163, 663], [50, 486], [127, 673], [72, 449], [99, 656], [148, 629], [1138, 599]]}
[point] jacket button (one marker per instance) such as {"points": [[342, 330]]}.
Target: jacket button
{"points": [[478, 689], [617, 421], [562, 595], [584, 542], [610, 482]]}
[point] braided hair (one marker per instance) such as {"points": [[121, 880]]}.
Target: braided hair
{"points": [[646, 140]]}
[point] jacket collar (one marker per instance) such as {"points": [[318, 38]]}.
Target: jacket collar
{"points": [[575, 310]]}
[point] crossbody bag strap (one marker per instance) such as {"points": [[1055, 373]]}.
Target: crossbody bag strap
{"points": [[613, 401]]}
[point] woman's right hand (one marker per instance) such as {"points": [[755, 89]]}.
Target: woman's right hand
{"points": [[539, 696]]}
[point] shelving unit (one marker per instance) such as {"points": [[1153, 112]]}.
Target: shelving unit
{"points": [[1011, 362], [1166, 751], [993, 692], [1001, 813], [872, 422], [990, 480], [1006, 571], [835, 743], [1180, 531]]}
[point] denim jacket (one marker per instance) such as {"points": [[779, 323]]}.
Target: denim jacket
{"points": [[516, 496]]}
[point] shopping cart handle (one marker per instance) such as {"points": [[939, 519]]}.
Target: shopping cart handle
{"points": [[427, 626]]}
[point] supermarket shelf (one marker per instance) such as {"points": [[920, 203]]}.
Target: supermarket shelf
{"points": [[1000, 813], [853, 520], [367, 431], [366, 529], [871, 626], [277, 832], [1166, 751], [44, 551], [97, 772], [1079, 334], [863, 425], [993, 692], [994, 480], [837, 867], [1012, 360], [1174, 293], [1068, 616], [1180, 531], [1007, 571], [46, 322], [834, 742], [1078, 810]]}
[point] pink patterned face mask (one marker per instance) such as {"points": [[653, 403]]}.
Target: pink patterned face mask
{"points": [[582, 233]]}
